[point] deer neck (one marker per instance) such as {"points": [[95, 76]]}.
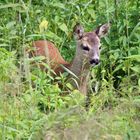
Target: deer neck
{"points": [[79, 66], [82, 71]]}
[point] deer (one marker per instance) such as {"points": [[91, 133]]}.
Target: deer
{"points": [[87, 55]]}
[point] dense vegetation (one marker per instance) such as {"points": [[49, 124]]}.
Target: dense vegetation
{"points": [[33, 106]]}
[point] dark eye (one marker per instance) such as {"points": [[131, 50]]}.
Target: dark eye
{"points": [[86, 48], [100, 48]]}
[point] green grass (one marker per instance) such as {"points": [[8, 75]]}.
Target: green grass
{"points": [[33, 106]]}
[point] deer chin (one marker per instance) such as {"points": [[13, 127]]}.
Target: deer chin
{"points": [[92, 65]]}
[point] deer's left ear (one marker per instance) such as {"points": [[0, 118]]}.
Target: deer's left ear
{"points": [[78, 31], [102, 30]]}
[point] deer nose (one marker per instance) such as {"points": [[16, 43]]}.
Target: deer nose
{"points": [[94, 61]]}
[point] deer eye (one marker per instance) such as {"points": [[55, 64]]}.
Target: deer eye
{"points": [[86, 48]]}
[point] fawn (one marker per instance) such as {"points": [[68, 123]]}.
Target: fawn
{"points": [[87, 54]]}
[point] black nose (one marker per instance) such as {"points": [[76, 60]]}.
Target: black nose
{"points": [[94, 61]]}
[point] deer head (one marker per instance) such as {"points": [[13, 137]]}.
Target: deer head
{"points": [[88, 44]]}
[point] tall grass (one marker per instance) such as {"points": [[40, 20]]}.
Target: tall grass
{"points": [[33, 106]]}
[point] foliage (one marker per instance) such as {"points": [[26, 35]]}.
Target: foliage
{"points": [[33, 106]]}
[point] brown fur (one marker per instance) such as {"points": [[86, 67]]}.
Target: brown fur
{"points": [[48, 49]]}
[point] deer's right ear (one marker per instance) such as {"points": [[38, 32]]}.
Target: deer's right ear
{"points": [[78, 31], [102, 30]]}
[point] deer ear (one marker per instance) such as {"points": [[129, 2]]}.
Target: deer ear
{"points": [[78, 31], [102, 30]]}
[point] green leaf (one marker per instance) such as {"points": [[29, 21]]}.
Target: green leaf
{"points": [[134, 30], [59, 5], [120, 66], [4, 45], [9, 5], [136, 69], [64, 28], [139, 82], [53, 36], [37, 58], [134, 57], [136, 102], [10, 24], [124, 41], [69, 86], [92, 13]]}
